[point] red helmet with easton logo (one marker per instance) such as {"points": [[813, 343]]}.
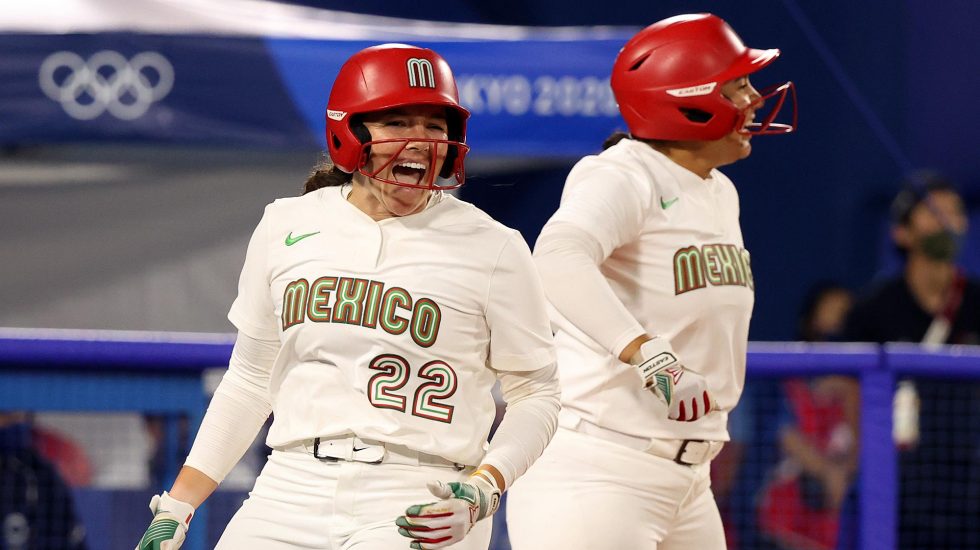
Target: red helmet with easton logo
{"points": [[385, 77], [667, 80]]}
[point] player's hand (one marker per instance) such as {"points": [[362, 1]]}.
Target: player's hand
{"points": [[449, 519], [684, 391], [169, 526]]}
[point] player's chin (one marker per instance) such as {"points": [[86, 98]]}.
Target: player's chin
{"points": [[745, 151], [404, 201], [742, 144]]}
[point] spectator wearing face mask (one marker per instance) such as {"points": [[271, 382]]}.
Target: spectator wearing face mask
{"points": [[932, 301]]}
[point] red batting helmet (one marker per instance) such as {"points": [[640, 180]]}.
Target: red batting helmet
{"points": [[667, 80], [385, 77]]}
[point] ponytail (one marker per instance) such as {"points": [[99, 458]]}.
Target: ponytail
{"points": [[325, 174]]}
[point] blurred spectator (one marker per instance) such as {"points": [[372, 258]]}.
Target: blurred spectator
{"points": [[824, 311], [36, 508], [726, 468], [801, 505], [65, 454], [933, 302], [119, 444]]}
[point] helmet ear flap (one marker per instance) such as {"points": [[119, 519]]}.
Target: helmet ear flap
{"points": [[449, 166], [360, 130], [455, 134], [698, 116], [363, 135]]}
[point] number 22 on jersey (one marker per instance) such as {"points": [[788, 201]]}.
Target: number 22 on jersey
{"points": [[440, 384]]}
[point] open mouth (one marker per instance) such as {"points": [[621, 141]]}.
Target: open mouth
{"points": [[749, 123], [408, 172], [745, 131]]}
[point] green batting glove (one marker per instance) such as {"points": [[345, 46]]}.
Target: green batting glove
{"points": [[447, 521], [167, 531]]}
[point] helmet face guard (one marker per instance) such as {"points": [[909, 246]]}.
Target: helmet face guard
{"points": [[392, 76], [767, 126], [454, 153]]}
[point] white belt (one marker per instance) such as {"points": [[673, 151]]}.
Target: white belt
{"points": [[354, 449], [687, 452]]}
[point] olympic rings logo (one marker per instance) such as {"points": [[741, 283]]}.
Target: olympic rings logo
{"points": [[107, 81]]}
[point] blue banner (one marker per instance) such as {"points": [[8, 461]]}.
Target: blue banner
{"points": [[527, 98], [547, 98], [123, 86]]}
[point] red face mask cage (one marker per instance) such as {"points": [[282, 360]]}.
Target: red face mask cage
{"points": [[767, 126], [452, 177]]}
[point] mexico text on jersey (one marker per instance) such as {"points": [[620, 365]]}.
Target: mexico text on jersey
{"points": [[714, 264], [361, 302]]}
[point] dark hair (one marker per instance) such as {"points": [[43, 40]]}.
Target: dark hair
{"points": [[325, 174], [915, 188], [618, 136], [614, 138]]}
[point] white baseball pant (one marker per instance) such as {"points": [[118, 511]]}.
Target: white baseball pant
{"points": [[590, 494], [301, 502]]}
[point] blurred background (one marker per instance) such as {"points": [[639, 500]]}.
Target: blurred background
{"points": [[141, 139]]}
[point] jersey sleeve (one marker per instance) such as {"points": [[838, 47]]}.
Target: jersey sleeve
{"points": [[516, 313], [238, 409], [568, 259], [253, 312], [602, 208], [605, 201], [533, 401]]}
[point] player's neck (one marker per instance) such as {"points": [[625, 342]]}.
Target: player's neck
{"points": [[378, 206], [694, 156]]}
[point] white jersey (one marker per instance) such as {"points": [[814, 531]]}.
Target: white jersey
{"points": [[388, 328], [675, 258]]}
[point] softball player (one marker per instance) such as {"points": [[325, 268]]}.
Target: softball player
{"points": [[652, 292], [375, 313]]}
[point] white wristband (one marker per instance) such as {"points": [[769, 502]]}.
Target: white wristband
{"points": [[181, 510], [653, 356]]}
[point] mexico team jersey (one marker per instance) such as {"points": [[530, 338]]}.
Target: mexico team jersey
{"points": [[388, 328], [676, 260]]}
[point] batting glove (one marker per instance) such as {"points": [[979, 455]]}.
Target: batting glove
{"points": [[169, 526], [447, 521], [684, 391]]}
